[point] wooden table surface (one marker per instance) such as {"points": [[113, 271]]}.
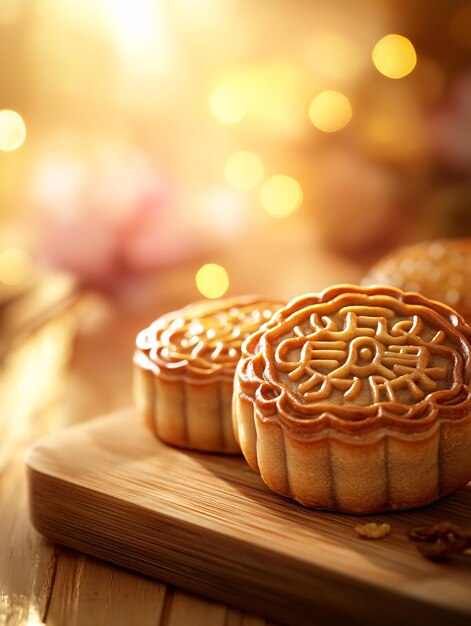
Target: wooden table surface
{"points": [[65, 357]]}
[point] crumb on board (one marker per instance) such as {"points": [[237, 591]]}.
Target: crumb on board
{"points": [[442, 540], [373, 530]]}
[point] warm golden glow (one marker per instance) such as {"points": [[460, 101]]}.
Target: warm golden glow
{"points": [[141, 34], [330, 111], [16, 266], [395, 138], [273, 96], [394, 56], [394, 127], [11, 11], [12, 130], [243, 170], [34, 617], [281, 196], [333, 56], [212, 280], [228, 104]]}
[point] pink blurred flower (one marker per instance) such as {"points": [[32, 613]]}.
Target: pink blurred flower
{"points": [[108, 216]]}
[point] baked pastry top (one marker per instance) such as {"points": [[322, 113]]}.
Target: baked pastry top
{"points": [[439, 269], [203, 340], [356, 365], [359, 355]]}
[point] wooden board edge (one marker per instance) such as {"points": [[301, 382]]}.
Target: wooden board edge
{"points": [[266, 583]]}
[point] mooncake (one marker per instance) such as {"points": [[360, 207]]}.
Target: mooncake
{"points": [[184, 366], [357, 400], [439, 269]]}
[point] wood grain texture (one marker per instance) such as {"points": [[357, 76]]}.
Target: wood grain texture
{"points": [[30, 381], [69, 363], [87, 589], [207, 523]]}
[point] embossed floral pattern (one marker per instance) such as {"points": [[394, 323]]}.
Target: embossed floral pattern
{"points": [[205, 337]]}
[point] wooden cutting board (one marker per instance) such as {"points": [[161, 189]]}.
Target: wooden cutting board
{"points": [[208, 524]]}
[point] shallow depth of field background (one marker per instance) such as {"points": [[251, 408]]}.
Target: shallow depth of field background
{"points": [[143, 140]]}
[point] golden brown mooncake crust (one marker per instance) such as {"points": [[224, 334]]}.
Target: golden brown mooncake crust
{"points": [[184, 366], [438, 269], [358, 400]]}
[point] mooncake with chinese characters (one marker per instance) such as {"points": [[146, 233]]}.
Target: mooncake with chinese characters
{"points": [[184, 366], [358, 400]]}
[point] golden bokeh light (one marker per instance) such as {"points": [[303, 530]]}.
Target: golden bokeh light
{"points": [[212, 280], [281, 196], [330, 111], [12, 130], [394, 56], [243, 170], [273, 96], [16, 266], [228, 104]]}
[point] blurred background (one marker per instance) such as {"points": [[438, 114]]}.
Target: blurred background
{"points": [[154, 152], [203, 147]]}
